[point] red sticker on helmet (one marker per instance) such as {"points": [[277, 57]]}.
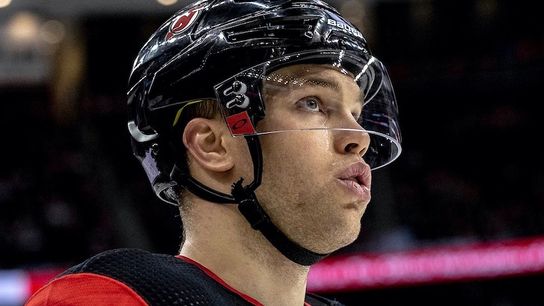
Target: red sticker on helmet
{"points": [[240, 124], [183, 21]]}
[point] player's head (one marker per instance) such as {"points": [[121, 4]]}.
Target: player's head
{"points": [[284, 76]]}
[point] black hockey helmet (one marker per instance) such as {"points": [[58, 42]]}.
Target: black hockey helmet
{"points": [[210, 42], [224, 50]]}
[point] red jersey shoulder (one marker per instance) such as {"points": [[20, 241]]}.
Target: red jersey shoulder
{"points": [[85, 289]]}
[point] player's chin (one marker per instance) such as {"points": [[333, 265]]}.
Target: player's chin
{"points": [[352, 221], [351, 233], [345, 235], [341, 242]]}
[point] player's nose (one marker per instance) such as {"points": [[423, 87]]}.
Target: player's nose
{"points": [[353, 140]]}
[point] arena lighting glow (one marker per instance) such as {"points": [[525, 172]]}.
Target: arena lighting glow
{"points": [[13, 287], [4, 3], [23, 28], [367, 271], [430, 265], [167, 2]]}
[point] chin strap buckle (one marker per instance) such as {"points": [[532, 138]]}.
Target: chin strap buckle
{"points": [[249, 205]]}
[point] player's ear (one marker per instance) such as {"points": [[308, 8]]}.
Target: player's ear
{"points": [[206, 141]]}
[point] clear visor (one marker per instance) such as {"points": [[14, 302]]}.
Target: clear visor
{"points": [[346, 97]]}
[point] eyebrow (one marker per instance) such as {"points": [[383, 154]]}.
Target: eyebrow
{"points": [[320, 82], [327, 83], [300, 80]]}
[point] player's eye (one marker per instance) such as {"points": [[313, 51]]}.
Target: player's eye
{"points": [[309, 104]]}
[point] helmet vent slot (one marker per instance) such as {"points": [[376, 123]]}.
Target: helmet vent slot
{"points": [[274, 29]]}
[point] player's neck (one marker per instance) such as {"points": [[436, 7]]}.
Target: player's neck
{"points": [[221, 240]]}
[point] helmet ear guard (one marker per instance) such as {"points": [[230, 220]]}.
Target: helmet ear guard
{"points": [[147, 145]]}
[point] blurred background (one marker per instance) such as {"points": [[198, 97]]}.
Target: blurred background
{"points": [[458, 218]]}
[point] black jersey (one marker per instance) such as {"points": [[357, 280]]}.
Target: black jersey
{"points": [[138, 277]]}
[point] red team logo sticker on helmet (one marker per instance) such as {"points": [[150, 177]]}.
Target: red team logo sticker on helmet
{"points": [[183, 21], [240, 124]]}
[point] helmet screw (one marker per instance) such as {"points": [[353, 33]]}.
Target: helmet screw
{"points": [[240, 99], [155, 149], [236, 86]]}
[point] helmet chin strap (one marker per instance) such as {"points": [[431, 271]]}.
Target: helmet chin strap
{"points": [[254, 213], [251, 209]]}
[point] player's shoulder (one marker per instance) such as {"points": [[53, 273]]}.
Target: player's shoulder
{"points": [[154, 276], [132, 264], [159, 279]]}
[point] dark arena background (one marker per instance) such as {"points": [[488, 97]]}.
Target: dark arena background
{"points": [[458, 219]]}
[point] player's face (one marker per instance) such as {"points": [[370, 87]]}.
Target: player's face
{"points": [[315, 184]]}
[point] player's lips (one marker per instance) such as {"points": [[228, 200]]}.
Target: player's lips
{"points": [[357, 179]]}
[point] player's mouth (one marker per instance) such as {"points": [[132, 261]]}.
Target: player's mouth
{"points": [[357, 180]]}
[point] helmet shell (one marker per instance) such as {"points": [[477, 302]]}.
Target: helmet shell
{"points": [[208, 42]]}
